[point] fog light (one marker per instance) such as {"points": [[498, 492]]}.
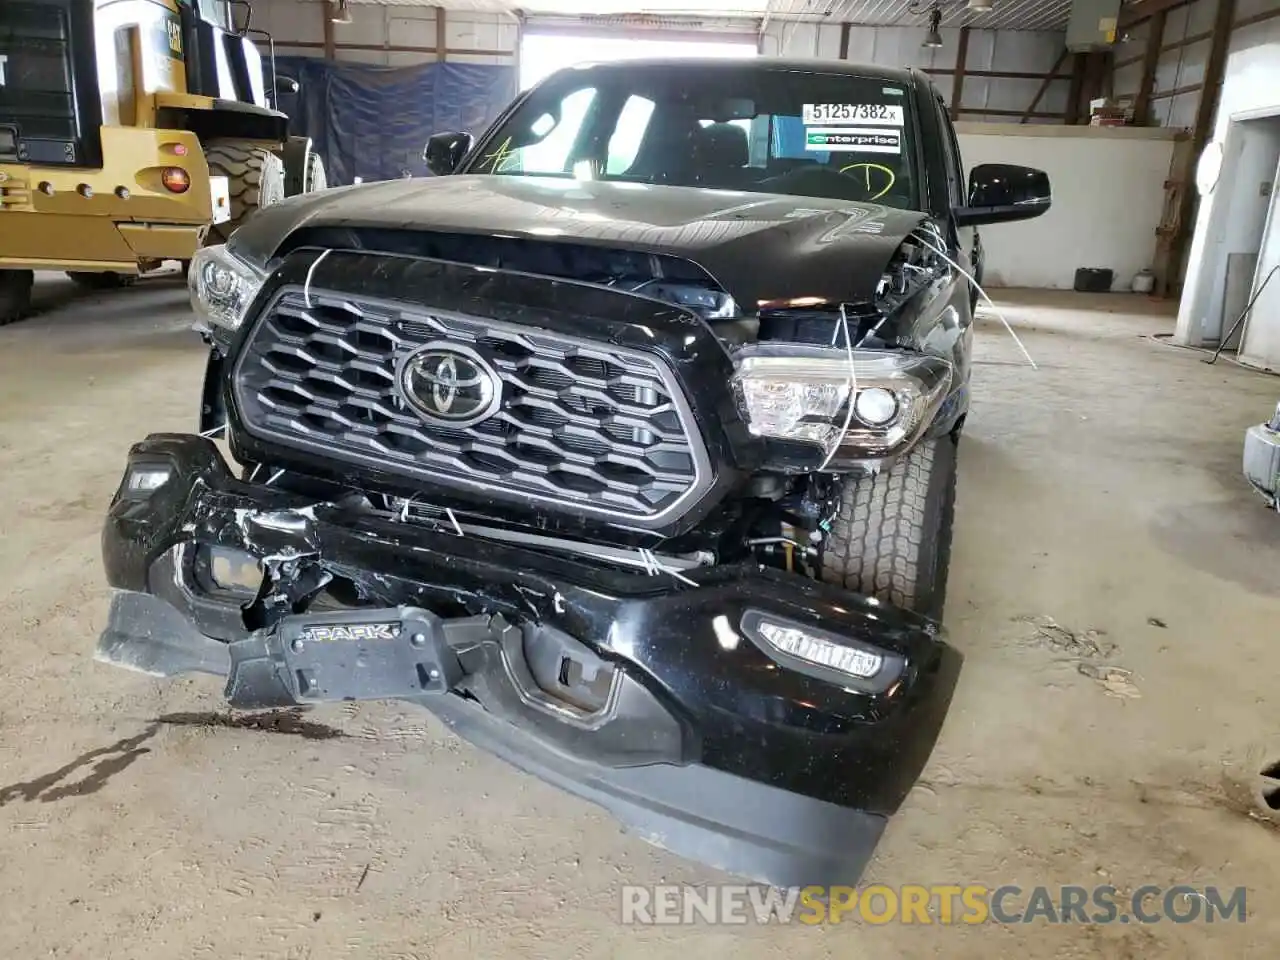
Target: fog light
{"points": [[806, 646], [175, 179], [144, 479], [823, 654], [234, 570], [875, 406]]}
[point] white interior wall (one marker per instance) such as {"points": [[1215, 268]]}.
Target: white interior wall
{"points": [[1096, 220], [297, 27], [1011, 51], [1250, 89]]}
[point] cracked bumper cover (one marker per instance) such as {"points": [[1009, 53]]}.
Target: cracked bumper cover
{"points": [[637, 693]]}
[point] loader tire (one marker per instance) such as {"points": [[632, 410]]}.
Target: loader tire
{"points": [[891, 536], [101, 280], [316, 178], [15, 294], [255, 177]]}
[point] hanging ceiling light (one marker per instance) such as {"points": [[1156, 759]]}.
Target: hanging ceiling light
{"points": [[981, 6], [342, 14], [934, 38]]}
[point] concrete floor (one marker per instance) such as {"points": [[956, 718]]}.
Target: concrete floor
{"points": [[1102, 490]]}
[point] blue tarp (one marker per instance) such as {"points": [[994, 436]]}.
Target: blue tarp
{"points": [[373, 122]]}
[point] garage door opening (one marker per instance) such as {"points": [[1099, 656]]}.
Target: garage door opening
{"points": [[541, 54]]}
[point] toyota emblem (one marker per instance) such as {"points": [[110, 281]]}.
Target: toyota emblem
{"points": [[450, 385]]}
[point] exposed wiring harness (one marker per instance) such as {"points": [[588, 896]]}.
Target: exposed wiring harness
{"points": [[934, 242], [937, 248], [306, 286], [853, 385]]}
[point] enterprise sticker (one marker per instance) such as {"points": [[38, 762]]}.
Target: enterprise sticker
{"points": [[862, 114], [853, 140]]}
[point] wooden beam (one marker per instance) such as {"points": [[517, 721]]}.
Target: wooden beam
{"points": [[957, 86], [1088, 82], [442, 52], [1044, 85], [327, 12], [1187, 41], [998, 74], [845, 29], [1176, 91], [1150, 57], [1077, 84], [1214, 68], [1257, 18], [1010, 113], [1170, 251], [1145, 10]]}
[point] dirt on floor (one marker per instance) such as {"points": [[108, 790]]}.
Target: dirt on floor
{"points": [[1115, 588]]}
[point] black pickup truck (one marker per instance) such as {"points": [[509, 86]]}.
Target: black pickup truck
{"points": [[626, 445]]}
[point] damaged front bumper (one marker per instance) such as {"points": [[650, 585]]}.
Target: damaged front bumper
{"points": [[657, 697]]}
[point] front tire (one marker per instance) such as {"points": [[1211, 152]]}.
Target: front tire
{"points": [[891, 536], [255, 179], [15, 294]]}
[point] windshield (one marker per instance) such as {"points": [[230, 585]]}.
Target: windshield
{"points": [[741, 128]]}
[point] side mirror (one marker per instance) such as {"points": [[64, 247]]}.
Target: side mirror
{"points": [[444, 151], [1003, 192], [241, 13], [286, 84]]}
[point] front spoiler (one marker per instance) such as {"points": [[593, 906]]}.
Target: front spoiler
{"points": [[701, 743]]}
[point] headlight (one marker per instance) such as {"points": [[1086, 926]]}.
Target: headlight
{"points": [[222, 286], [801, 393]]}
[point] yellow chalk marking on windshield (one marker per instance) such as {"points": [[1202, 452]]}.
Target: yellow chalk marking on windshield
{"points": [[500, 157], [868, 167]]}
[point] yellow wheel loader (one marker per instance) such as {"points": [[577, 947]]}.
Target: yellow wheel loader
{"points": [[132, 132]]}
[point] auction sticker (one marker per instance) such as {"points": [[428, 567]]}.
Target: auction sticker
{"points": [[853, 140], [863, 114]]}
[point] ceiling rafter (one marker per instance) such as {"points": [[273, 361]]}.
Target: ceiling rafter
{"points": [[1005, 14]]}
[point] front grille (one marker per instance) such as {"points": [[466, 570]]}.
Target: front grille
{"points": [[581, 424]]}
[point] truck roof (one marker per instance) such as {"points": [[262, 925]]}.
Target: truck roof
{"points": [[904, 75]]}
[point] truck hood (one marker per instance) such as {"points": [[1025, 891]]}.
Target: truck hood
{"points": [[759, 247]]}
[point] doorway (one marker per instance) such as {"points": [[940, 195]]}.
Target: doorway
{"points": [[541, 54], [1244, 222], [1260, 340]]}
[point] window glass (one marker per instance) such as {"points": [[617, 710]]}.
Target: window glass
{"points": [[542, 141], [629, 130], [746, 128]]}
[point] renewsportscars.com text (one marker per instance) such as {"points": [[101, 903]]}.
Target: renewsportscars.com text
{"points": [[933, 904]]}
